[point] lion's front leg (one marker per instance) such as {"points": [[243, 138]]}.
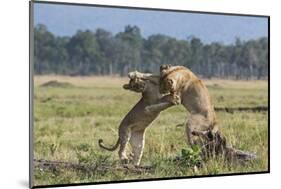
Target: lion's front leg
{"points": [[164, 103], [173, 98], [157, 107]]}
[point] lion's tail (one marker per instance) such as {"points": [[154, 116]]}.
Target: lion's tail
{"points": [[109, 148]]}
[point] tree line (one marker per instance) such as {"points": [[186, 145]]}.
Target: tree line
{"points": [[102, 53]]}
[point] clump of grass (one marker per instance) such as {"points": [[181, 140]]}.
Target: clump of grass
{"points": [[53, 148], [86, 154], [190, 157]]}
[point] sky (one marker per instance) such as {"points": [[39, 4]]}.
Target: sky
{"points": [[65, 20]]}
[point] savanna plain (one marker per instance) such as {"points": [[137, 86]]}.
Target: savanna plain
{"points": [[72, 113]]}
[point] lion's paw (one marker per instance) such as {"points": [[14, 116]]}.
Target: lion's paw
{"points": [[175, 99]]}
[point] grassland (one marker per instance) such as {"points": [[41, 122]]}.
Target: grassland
{"points": [[68, 121]]}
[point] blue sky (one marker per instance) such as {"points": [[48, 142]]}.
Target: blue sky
{"points": [[65, 20]]}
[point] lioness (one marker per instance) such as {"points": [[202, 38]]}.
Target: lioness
{"points": [[132, 127], [201, 128]]}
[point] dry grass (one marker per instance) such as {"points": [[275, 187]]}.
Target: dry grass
{"points": [[69, 121]]}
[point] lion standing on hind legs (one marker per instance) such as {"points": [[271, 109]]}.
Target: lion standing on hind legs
{"points": [[132, 127], [201, 128]]}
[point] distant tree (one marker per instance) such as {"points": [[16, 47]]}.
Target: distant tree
{"points": [[152, 53], [61, 56], [132, 44], [196, 47], [107, 50], [84, 53], [44, 53], [100, 52], [262, 52]]}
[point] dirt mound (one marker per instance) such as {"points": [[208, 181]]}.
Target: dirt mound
{"points": [[55, 83]]}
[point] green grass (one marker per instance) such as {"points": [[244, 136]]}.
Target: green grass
{"points": [[68, 121]]}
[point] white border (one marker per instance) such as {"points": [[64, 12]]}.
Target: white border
{"points": [[14, 92]]}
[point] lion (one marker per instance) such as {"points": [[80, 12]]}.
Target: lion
{"points": [[132, 127], [182, 86]]}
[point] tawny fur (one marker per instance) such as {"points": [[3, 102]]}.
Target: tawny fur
{"points": [[184, 88], [202, 129], [132, 127]]}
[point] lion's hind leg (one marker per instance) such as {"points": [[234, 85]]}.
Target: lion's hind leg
{"points": [[137, 144], [197, 129], [200, 131], [124, 136]]}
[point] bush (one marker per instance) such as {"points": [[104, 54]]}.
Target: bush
{"points": [[190, 157]]}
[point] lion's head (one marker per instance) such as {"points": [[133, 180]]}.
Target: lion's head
{"points": [[165, 84], [135, 84]]}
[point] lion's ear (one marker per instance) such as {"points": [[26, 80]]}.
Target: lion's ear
{"points": [[133, 75], [164, 67], [126, 86]]}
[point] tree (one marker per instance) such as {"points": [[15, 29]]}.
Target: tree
{"points": [[107, 50], [100, 52], [61, 56], [196, 47], [44, 53], [132, 44], [152, 53], [84, 53]]}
